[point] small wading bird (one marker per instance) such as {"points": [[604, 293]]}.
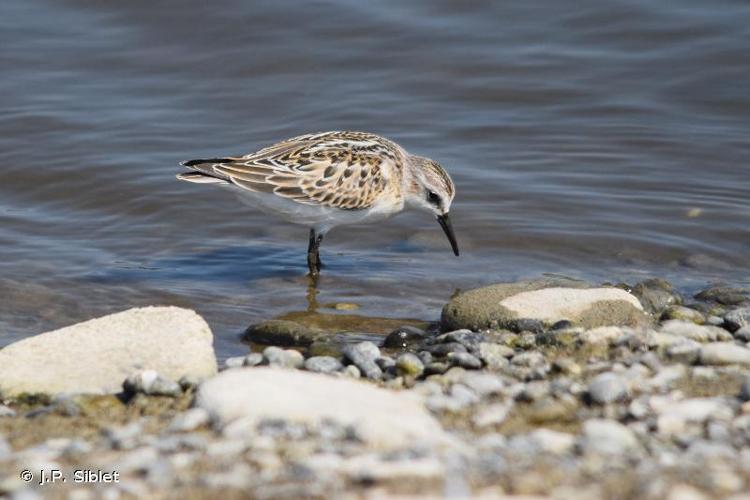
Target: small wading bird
{"points": [[332, 179]]}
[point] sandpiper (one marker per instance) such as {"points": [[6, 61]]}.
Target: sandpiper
{"points": [[330, 179]]}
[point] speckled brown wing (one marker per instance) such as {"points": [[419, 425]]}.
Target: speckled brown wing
{"points": [[337, 169]]}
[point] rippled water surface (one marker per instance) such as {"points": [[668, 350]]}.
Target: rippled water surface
{"points": [[602, 140]]}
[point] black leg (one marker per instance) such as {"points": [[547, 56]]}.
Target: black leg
{"points": [[312, 254]]}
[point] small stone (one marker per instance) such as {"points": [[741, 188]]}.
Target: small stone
{"points": [[253, 359], [6, 411], [683, 313], [737, 318], [465, 360], [436, 368], [724, 353], [363, 356], [495, 356], [686, 352], [386, 363], [723, 295], [445, 349], [149, 382], [466, 338], [283, 333], [525, 325], [566, 366], [529, 359], [283, 358], [656, 295], [189, 420], [404, 336], [352, 371], [410, 365], [745, 389], [699, 333], [743, 334], [490, 415], [323, 364], [234, 362], [549, 441], [125, 437], [607, 388], [604, 335], [607, 437], [482, 383]]}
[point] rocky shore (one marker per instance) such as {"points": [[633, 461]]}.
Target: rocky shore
{"points": [[550, 388]]}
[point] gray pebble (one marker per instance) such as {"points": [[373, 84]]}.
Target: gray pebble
{"points": [[737, 318], [189, 420], [323, 364], [151, 383], [467, 338], [436, 368], [445, 349], [607, 388], [253, 359], [408, 364], [404, 336], [363, 355], [686, 352], [745, 390], [495, 356], [529, 359], [465, 360], [352, 371], [743, 334], [385, 362], [234, 362], [607, 437], [724, 353], [284, 358]]}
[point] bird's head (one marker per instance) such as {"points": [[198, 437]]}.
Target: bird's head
{"points": [[431, 189]]}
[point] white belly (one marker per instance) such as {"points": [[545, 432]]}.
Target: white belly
{"points": [[320, 217]]}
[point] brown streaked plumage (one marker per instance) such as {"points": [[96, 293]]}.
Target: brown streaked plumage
{"points": [[333, 178]]}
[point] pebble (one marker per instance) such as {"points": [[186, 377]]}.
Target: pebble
{"points": [[410, 365], [151, 383], [445, 349], [404, 336], [283, 358], [352, 371], [234, 362], [607, 437], [737, 318], [724, 353], [492, 414], [189, 420], [6, 411], [124, 437], [323, 364], [743, 334], [363, 355], [470, 340], [253, 359], [189, 382], [529, 359], [745, 390], [495, 356], [686, 352], [699, 333], [723, 295], [465, 360], [684, 314], [607, 388]]}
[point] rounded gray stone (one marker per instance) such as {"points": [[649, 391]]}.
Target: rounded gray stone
{"points": [[323, 364], [607, 388]]}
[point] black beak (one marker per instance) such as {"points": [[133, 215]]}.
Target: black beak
{"points": [[445, 223]]}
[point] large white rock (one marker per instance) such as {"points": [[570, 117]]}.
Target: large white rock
{"points": [[97, 355], [239, 399]]}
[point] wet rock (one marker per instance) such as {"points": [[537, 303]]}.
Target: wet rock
{"points": [[283, 358], [95, 356], [323, 364], [607, 437], [381, 418], [409, 365], [465, 360], [607, 388], [404, 336], [699, 333], [723, 295], [151, 383], [545, 301], [363, 355], [495, 356], [280, 332], [656, 295], [737, 318], [724, 353], [683, 314]]}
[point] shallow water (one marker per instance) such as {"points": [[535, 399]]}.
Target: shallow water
{"points": [[599, 140]]}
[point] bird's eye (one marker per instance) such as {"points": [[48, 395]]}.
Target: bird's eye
{"points": [[433, 198]]}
